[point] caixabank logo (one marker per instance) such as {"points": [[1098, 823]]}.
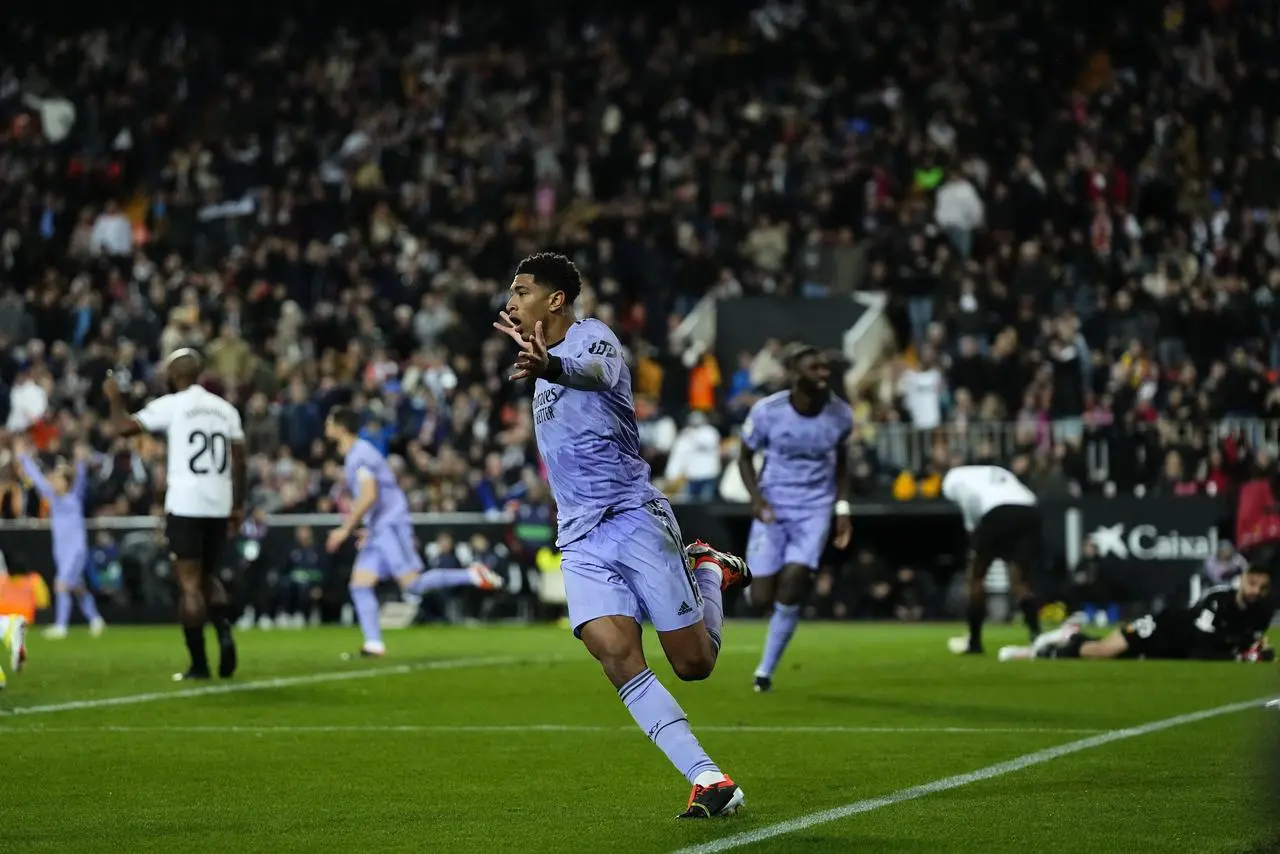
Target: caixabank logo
{"points": [[1151, 542]]}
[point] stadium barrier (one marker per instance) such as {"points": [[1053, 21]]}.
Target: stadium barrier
{"points": [[899, 446], [1153, 544]]}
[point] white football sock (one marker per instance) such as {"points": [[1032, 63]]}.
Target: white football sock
{"points": [[709, 778]]}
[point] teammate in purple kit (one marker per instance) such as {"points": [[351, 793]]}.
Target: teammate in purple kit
{"points": [[386, 543], [623, 558], [802, 432], [65, 491]]}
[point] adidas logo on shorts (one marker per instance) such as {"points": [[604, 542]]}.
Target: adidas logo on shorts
{"points": [[684, 609]]}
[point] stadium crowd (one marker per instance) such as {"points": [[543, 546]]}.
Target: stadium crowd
{"points": [[1071, 208]]}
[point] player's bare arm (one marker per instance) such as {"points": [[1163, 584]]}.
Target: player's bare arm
{"points": [[843, 506], [366, 498], [118, 416]]}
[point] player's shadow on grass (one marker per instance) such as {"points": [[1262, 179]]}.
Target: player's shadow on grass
{"points": [[311, 696], [920, 713]]}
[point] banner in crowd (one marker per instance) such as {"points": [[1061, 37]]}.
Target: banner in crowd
{"points": [[1155, 544]]}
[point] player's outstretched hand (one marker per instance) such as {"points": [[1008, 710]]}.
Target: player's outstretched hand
{"points": [[533, 358], [844, 532], [362, 537]]}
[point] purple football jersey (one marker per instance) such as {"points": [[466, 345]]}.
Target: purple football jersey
{"points": [[66, 515], [799, 451], [585, 422], [391, 508]]}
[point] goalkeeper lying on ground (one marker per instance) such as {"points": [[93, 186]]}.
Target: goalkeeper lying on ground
{"points": [[1228, 623]]}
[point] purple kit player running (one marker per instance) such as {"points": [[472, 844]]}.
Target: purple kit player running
{"points": [[386, 544], [802, 433], [66, 494], [623, 559]]}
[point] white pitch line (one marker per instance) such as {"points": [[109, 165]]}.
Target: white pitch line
{"points": [[806, 822], [281, 682], [530, 728], [890, 730]]}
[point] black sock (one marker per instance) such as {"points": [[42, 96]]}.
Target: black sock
{"points": [[1071, 649], [1031, 613], [220, 619], [195, 646], [976, 614]]}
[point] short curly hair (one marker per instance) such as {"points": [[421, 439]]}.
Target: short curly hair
{"points": [[554, 271]]}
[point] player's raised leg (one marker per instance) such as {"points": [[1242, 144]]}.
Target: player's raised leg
{"points": [[693, 652], [714, 572], [680, 589], [477, 575], [690, 618], [415, 583], [605, 612]]}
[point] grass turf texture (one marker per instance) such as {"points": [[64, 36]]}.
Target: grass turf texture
{"points": [[443, 755]]}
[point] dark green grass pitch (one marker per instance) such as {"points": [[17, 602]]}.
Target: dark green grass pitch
{"points": [[509, 740]]}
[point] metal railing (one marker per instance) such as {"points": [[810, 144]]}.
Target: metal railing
{"points": [[896, 445], [902, 446]]}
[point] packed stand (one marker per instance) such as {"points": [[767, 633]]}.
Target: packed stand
{"points": [[1090, 291], [332, 218], [1090, 294]]}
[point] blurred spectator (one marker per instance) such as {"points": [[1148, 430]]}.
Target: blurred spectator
{"points": [[741, 393], [1223, 566], [921, 388], [694, 466], [958, 209], [657, 432], [112, 234], [1090, 592], [301, 583], [911, 592], [105, 575], [28, 401]]}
